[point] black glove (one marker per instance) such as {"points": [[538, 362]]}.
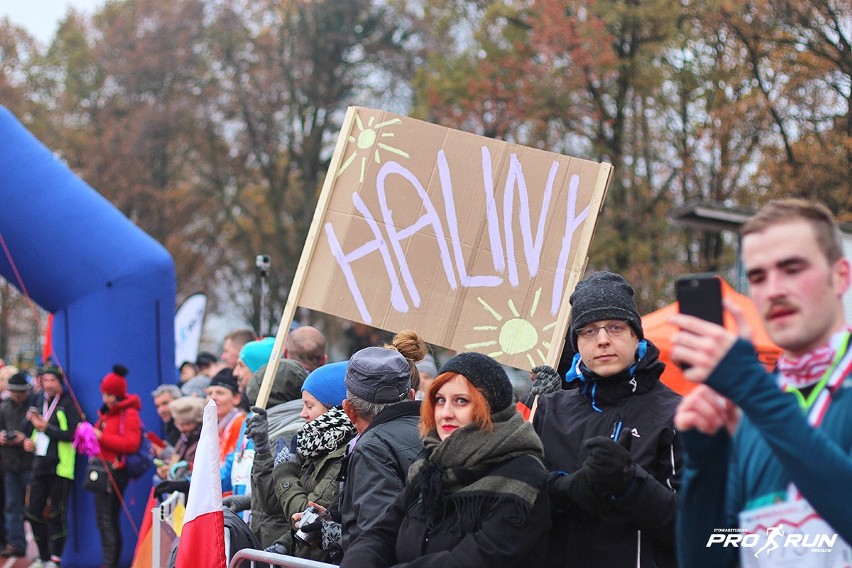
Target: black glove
{"points": [[611, 462], [164, 487], [237, 503], [546, 380], [314, 526], [579, 490], [257, 429]]}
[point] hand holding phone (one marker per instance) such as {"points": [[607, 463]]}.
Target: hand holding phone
{"points": [[700, 295]]}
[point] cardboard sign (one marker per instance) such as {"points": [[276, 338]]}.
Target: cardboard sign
{"points": [[473, 243]]}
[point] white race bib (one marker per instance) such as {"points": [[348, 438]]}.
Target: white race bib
{"points": [[790, 534], [41, 444], [241, 469]]}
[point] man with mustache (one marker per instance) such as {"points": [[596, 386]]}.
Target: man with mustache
{"points": [[786, 456]]}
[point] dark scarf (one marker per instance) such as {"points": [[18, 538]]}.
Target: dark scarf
{"points": [[638, 378], [324, 434], [454, 481]]}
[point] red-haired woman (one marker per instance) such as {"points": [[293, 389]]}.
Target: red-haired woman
{"points": [[119, 431], [479, 497]]}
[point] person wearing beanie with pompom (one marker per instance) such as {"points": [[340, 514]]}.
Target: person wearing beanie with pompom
{"points": [[479, 496], [610, 441], [119, 432]]}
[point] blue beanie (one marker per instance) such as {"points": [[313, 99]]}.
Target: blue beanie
{"points": [[256, 353], [326, 383]]}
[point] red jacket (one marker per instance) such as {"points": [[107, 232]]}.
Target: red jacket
{"points": [[121, 429]]}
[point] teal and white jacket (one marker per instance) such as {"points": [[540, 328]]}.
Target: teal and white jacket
{"points": [[773, 447]]}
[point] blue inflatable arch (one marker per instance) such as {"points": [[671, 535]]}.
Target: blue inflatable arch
{"points": [[110, 286]]}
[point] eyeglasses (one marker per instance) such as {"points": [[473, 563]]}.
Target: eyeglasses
{"points": [[613, 329]]}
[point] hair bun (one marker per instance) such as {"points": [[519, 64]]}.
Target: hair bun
{"points": [[120, 370]]}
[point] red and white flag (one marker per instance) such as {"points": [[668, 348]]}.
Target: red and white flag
{"points": [[202, 541]]}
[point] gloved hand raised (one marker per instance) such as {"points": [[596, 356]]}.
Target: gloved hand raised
{"points": [[237, 503], [257, 429], [546, 380], [610, 462], [579, 490]]}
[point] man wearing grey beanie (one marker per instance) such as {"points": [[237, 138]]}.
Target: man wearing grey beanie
{"points": [[610, 442]]}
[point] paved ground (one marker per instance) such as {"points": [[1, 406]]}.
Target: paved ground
{"points": [[32, 553]]}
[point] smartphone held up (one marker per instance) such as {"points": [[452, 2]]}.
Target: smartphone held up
{"points": [[700, 295]]}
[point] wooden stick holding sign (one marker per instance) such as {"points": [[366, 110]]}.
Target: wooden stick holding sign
{"points": [[474, 243], [304, 262]]}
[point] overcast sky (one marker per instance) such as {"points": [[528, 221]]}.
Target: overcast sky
{"points": [[41, 17]]}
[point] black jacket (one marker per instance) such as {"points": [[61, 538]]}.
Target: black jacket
{"points": [[60, 431], [377, 467], [13, 419], [641, 524], [502, 539]]}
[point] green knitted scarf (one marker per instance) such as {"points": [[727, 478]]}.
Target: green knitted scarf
{"points": [[454, 479]]}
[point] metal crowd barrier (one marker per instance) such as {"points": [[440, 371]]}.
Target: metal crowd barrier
{"points": [[273, 559], [163, 529]]}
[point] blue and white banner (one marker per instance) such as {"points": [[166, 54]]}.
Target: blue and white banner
{"points": [[188, 322]]}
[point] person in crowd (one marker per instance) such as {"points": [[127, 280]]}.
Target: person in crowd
{"points": [[188, 415], [253, 355], [545, 379], [119, 432], [54, 418], [233, 343], [248, 471], [162, 396], [379, 402], [427, 368], [6, 373], [414, 349], [611, 441], [208, 366], [225, 392], [306, 345], [479, 496], [789, 458], [186, 371], [284, 405], [15, 461], [310, 473], [36, 382]]}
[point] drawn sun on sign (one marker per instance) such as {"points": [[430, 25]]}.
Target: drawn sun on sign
{"points": [[369, 141], [516, 335]]}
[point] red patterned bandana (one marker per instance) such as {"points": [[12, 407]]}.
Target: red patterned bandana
{"points": [[806, 370]]}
